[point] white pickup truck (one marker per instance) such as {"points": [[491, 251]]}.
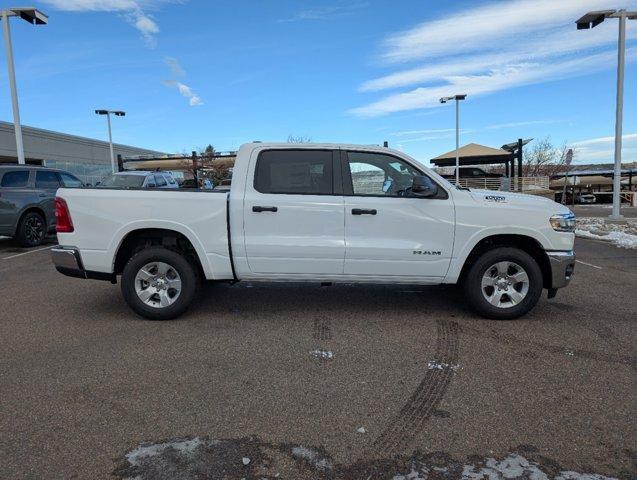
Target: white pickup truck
{"points": [[318, 213]]}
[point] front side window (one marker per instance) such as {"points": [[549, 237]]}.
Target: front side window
{"points": [[377, 174], [160, 180], [46, 179], [303, 172], [16, 179]]}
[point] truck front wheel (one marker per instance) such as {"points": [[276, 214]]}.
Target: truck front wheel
{"points": [[503, 283], [159, 284]]}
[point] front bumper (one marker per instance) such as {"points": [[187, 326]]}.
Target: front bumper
{"points": [[68, 261], [562, 268]]}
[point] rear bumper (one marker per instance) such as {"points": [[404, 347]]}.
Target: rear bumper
{"points": [[68, 261], [562, 268]]}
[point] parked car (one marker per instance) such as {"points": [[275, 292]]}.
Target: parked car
{"points": [[319, 213], [585, 198], [472, 172], [27, 201], [138, 179]]}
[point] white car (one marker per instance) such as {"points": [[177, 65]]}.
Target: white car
{"points": [[138, 179], [318, 213]]}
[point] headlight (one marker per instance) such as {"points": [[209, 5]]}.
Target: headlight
{"points": [[563, 222]]}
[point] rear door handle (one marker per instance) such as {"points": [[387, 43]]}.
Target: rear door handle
{"points": [[259, 209], [362, 211], [42, 195]]}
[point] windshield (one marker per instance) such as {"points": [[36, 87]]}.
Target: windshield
{"points": [[123, 181]]}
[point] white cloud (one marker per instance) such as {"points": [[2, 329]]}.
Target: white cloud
{"points": [[193, 99], [603, 140], [602, 149], [325, 12], [134, 10], [175, 66], [485, 25], [492, 47]]}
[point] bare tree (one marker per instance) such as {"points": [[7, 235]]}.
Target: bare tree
{"points": [[298, 139], [544, 159]]}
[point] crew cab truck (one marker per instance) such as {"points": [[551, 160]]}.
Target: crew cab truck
{"points": [[318, 213]]}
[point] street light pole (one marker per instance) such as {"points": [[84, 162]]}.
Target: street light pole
{"points": [[457, 141], [457, 98], [591, 20], [110, 142], [12, 85], [33, 16], [619, 108], [117, 113]]}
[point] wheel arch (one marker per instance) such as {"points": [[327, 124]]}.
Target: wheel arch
{"points": [[525, 243], [141, 238]]}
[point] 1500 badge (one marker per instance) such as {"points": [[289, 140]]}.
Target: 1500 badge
{"points": [[426, 252]]}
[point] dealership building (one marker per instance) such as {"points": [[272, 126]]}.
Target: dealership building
{"points": [[86, 158]]}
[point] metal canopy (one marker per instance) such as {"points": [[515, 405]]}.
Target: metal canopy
{"points": [[473, 154]]}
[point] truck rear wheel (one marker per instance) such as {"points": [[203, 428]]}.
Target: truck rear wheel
{"points": [[159, 284], [504, 283]]}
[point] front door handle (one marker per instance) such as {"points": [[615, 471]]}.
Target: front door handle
{"points": [[42, 195], [259, 209], [362, 211]]}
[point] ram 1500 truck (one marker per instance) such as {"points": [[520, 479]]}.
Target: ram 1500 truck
{"points": [[318, 213]]}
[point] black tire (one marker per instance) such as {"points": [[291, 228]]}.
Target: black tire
{"points": [[31, 230], [474, 290], [181, 265]]}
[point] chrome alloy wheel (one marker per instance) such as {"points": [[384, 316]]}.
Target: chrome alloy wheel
{"points": [[158, 284], [505, 284]]}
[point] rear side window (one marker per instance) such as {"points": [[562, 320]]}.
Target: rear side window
{"points": [[17, 179], [44, 179], [170, 179], [301, 172]]}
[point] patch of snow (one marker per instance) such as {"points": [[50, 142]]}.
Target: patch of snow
{"points": [[433, 365], [313, 457], [145, 450], [421, 474], [361, 430], [620, 234], [245, 460], [323, 354]]}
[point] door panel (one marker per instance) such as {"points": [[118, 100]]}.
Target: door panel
{"points": [[389, 232], [287, 231], [406, 237]]}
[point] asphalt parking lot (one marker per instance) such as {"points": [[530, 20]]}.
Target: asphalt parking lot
{"points": [[304, 381]]}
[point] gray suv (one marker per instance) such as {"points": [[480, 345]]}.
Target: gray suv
{"points": [[27, 201]]}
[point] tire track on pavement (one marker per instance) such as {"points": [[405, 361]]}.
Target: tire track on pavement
{"points": [[413, 416]]}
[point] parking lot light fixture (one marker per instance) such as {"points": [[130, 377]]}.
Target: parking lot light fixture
{"points": [[591, 20], [35, 17], [117, 113], [457, 98]]}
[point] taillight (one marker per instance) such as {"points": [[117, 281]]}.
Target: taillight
{"points": [[64, 224]]}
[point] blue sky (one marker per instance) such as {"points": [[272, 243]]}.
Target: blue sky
{"points": [[189, 73]]}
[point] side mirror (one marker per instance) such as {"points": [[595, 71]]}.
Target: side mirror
{"points": [[151, 185], [423, 187]]}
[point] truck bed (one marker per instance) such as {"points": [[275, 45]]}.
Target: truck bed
{"points": [[102, 219]]}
